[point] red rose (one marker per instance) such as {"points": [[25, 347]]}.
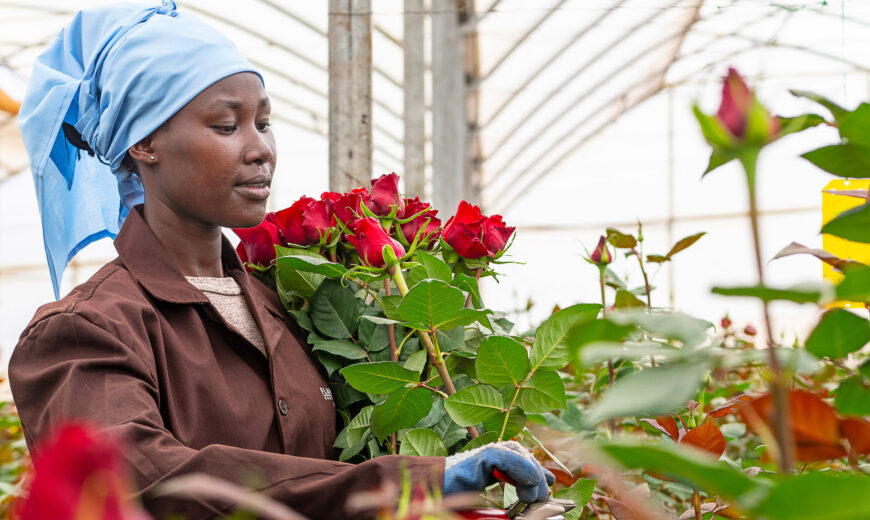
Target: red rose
{"points": [[330, 195], [290, 222], [473, 235], [79, 472], [385, 195], [601, 255], [496, 234], [258, 243], [411, 228], [369, 241], [318, 220], [348, 207]]}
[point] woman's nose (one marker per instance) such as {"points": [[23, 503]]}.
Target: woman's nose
{"points": [[259, 149]]}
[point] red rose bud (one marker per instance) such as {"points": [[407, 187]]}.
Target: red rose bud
{"points": [[79, 473], [601, 255], [258, 243], [290, 222], [496, 234], [369, 241], [348, 207], [725, 322], [736, 101], [411, 228], [318, 220], [750, 330], [385, 195]]}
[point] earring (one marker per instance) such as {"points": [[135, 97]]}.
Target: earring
{"points": [[152, 157]]}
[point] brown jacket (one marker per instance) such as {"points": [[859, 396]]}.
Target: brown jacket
{"points": [[141, 351]]}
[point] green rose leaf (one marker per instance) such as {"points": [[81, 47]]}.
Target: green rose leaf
{"points": [[652, 391], [843, 160], [450, 339], [435, 267], [853, 224], [855, 286], [290, 279], [433, 304], [501, 361], [516, 423], [853, 397], [380, 377], [373, 335], [474, 404], [422, 442], [468, 284], [311, 264], [550, 349], [580, 493], [340, 347], [402, 409], [545, 391], [838, 333], [690, 331], [482, 440], [626, 300], [334, 310], [359, 425], [794, 294], [817, 495]]}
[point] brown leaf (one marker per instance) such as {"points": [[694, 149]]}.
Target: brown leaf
{"points": [[707, 437], [799, 249], [665, 424], [857, 431], [621, 510], [656, 259], [684, 243], [730, 406], [861, 194], [812, 419], [619, 239], [809, 451], [562, 476]]}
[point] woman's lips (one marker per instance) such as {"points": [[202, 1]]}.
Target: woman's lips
{"points": [[253, 191]]}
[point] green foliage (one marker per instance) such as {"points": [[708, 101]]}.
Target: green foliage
{"points": [[549, 349], [334, 310], [422, 442], [838, 333], [473, 404], [768, 294], [853, 224]]}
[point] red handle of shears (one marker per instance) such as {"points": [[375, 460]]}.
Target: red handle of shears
{"points": [[503, 477]]}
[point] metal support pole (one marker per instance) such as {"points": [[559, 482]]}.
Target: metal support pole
{"points": [[415, 101], [454, 67], [350, 94]]}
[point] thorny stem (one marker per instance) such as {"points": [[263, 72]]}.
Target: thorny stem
{"points": [[434, 355], [782, 414], [477, 273]]}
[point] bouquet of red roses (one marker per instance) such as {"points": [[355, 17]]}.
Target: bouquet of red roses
{"points": [[390, 301]]}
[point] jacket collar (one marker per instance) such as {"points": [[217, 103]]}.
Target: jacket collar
{"points": [[146, 259]]}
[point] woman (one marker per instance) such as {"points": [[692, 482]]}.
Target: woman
{"points": [[172, 345]]}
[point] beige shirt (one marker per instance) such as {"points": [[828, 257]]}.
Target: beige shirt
{"points": [[226, 296]]}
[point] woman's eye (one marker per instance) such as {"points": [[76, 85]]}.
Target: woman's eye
{"points": [[264, 125], [225, 129]]}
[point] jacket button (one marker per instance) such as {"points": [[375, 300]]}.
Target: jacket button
{"points": [[282, 406]]}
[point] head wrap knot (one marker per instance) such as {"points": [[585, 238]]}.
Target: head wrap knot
{"points": [[112, 76]]}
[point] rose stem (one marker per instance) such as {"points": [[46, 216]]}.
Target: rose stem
{"points": [[780, 395], [696, 502], [477, 273], [394, 354], [652, 359], [610, 373], [434, 355]]}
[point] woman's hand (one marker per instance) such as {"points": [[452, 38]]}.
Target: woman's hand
{"points": [[474, 471]]}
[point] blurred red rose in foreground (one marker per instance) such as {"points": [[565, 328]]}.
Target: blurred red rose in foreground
{"points": [[79, 474]]}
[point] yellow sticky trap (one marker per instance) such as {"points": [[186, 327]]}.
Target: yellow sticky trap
{"points": [[833, 205]]}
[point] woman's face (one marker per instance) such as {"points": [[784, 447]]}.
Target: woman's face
{"points": [[214, 159]]}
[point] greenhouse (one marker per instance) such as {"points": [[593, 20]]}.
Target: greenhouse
{"points": [[400, 259]]}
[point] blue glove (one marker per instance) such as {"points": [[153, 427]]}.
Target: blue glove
{"points": [[472, 471]]}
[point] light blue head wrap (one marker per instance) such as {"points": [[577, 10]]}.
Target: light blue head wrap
{"points": [[115, 74]]}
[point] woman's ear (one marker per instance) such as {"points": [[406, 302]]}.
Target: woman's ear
{"points": [[143, 152]]}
